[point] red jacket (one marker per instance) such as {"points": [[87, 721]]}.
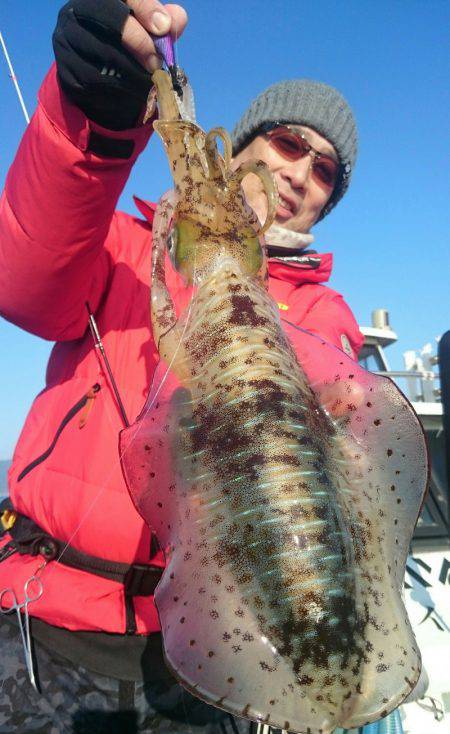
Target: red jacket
{"points": [[61, 244]]}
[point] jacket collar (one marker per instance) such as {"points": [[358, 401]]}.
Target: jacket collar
{"points": [[303, 268], [147, 208], [295, 269]]}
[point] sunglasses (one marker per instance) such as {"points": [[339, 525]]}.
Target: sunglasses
{"points": [[292, 145]]}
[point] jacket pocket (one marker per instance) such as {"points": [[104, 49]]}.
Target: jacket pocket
{"points": [[86, 399]]}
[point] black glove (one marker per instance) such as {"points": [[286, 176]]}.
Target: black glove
{"points": [[94, 69]]}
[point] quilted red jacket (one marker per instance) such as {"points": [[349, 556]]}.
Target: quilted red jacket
{"points": [[61, 244]]}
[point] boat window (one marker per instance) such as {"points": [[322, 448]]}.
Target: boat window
{"points": [[434, 520], [370, 358]]}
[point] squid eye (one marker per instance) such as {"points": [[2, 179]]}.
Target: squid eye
{"points": [[172, 240]]}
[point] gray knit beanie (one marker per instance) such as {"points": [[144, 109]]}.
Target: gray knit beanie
{"points": [[309, 103]]}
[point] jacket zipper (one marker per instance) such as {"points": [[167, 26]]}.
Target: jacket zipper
{"points": [[87, 398]]}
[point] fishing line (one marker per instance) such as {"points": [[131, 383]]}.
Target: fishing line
{"points": [[138, 426], [97, 341], [93, 326]]}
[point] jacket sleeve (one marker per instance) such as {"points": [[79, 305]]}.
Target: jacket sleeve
{"points": [[331, 318], [55, 215]]}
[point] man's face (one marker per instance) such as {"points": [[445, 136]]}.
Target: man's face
{"points": [[302, 194]]}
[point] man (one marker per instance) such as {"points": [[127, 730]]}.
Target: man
{"points": [[97, 650]]}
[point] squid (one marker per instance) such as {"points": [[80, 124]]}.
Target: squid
{"points": [[285, 518]]}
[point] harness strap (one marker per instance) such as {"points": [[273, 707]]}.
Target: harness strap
{"points": [[8, 550], [30, 539]]}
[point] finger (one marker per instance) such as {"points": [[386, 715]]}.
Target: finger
{"points": [[158, 18], [138, 42], [179, 19], [136, 31]]}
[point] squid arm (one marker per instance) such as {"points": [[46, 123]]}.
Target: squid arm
{"points": [[166, 329], [259, 168]]}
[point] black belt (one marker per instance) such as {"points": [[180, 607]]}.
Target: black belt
{"points": [[30, 539]]}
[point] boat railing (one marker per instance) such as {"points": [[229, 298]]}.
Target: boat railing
{"points": [[420, 387], [423, 382], [420, 379]]}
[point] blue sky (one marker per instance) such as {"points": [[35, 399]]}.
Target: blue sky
{"points": [[390, 235]]}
